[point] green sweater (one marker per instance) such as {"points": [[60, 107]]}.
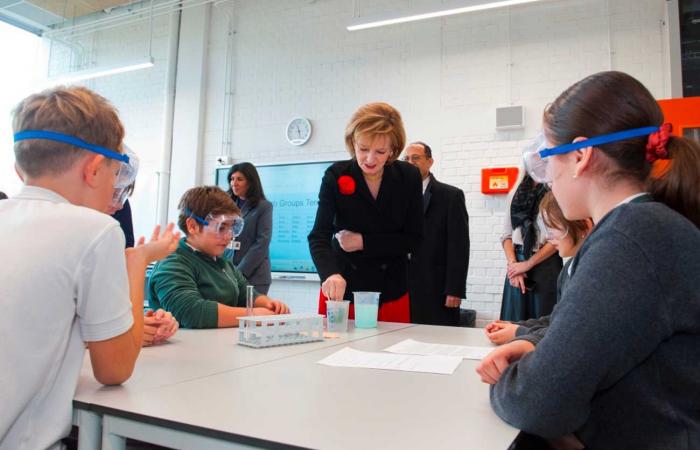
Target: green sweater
{"points": [[191, 284]]}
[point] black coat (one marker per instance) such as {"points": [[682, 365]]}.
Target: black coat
{"points": [[391, 227], [439, 266], [123, 216]]}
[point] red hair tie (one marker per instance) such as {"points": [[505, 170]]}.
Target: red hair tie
{"points": [[656, 145], [346, 185]]}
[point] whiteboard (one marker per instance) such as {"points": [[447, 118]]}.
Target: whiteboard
{"points": [[292, 189]]}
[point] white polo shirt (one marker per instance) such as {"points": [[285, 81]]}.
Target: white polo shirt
{"points": [[63, 282]]}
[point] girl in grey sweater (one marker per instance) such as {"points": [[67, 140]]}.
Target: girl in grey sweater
{"points": [[619, 364]]}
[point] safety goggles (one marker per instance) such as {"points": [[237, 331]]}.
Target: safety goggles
{"points": [[535, 156], [128, 167], [220, 225], [125, 179]]}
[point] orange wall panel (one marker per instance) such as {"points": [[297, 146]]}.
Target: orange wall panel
{"points": [[681, 113]]}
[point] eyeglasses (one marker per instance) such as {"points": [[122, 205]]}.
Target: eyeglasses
{"points": [[220, 225], [412, 158]]}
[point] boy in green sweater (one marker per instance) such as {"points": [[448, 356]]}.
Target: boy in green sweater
{"points": [[196, 284]]}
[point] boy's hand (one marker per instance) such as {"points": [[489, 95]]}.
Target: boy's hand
{"points": [[275, 306], [492, 367], [262, 312], [158, 327], [160, 245]]}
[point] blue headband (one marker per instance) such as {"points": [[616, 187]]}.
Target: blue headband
{"points": [[189, 213], [72, 140], [598, 140]]}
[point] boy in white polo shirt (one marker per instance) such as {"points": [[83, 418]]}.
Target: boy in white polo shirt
{"points": [[65, 280]]}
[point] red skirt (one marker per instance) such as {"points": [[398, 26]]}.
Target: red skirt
{"points": [[398, 310]]}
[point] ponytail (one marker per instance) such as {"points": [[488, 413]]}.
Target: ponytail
{"points": [[676, 181]]}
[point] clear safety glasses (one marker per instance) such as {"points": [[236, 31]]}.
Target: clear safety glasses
{"points": [[125, 179], [535, 155], [221, 225], [128, 167]]}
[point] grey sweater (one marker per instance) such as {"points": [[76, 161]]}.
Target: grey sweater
{"points": [[619, 365]]}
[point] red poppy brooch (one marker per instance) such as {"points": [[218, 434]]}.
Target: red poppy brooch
{"points": [[346, 185]]}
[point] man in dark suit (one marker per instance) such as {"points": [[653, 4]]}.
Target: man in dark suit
{"points": [[437, 272]]}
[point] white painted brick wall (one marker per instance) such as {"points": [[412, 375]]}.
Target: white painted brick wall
{"points": [[446, 76]]}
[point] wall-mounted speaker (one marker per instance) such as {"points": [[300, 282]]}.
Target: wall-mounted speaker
{"points": [[510, 118]]}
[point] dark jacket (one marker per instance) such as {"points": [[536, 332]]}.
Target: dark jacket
{"points": [[439, 265], [391, 227], [123, 216], [619, 363], [253, 258]]}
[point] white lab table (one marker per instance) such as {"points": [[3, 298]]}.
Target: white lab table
{"points": [[283, 399], [189, 355]]}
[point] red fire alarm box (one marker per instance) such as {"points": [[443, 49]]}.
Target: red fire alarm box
{"points": [[498, 180]]}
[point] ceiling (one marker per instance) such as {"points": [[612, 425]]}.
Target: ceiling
{"points": [[38, 16]]}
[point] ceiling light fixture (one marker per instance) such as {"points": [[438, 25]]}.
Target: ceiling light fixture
{"points": [[100, 71], [113, 69], [441, 10]]}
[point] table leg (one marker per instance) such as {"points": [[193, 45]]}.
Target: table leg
{"points": [[89, 429], [117, 429], [111, 439]]}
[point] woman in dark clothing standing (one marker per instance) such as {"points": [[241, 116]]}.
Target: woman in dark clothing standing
{"points": [[530, 288], [252, 246], [370, 215]]}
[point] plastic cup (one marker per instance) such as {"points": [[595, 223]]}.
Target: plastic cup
{"points": [[366, 309], [337, 315]]}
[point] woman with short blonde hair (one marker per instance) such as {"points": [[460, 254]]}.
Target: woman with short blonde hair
{"points": [[370, 215], [375, 119]]}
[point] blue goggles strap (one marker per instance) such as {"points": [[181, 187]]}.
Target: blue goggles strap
{"points": [[195, 217], [598, 140], [72, 140]]}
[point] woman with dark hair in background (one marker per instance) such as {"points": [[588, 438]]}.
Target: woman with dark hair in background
{"points": [[3, 196], [252, 247]]}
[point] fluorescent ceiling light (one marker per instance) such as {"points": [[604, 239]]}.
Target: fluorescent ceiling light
{"points": [[97, 72], [441, 10]]}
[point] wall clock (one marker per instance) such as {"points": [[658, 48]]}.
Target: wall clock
{"points": [[298, 131]]}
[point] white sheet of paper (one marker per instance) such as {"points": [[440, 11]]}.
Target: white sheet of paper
{"points": [[348, 357], [411, 347]]}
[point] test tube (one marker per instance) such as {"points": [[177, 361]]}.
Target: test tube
{"points": [[249, 300]]}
